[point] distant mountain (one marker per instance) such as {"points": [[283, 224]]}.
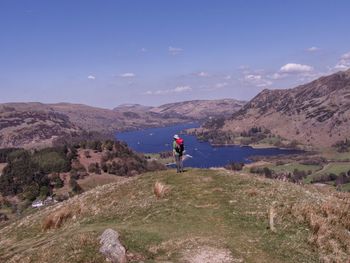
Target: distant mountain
{"points": [[317, 113], [132, 107], [201, 109], [32, 124], [33, 128]]}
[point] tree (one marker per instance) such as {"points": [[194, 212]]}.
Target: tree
{"points": [[76, 188]]}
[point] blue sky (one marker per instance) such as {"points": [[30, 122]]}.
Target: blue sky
{"points": [[105, 53]]}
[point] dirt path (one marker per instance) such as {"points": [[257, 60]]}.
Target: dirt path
{"points": [[209, 255]]}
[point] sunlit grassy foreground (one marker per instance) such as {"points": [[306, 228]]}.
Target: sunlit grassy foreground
{"points": [[204, 211]]}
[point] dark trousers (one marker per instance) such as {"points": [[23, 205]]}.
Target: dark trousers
{"points": [[179, 163]]}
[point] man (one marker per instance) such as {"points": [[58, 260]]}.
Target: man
{"points": [[178, 150]]}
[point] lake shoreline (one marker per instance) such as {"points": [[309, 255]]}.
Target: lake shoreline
{"points": [[204, 154]]}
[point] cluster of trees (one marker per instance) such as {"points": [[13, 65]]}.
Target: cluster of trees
{"points": [[214, 123], [265, 171], [342, 146], [4, 153], [235, 166], [342, 178], [117, 158], [295, 177], [27, 173], [250, 136], [216, 136], [30, 174]]}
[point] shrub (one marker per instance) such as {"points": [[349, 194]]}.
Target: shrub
{"points": [[20, 172], [87, 154], [94, 145], [94, 168], [52, 160], [262, 171], [104, 167], [235, 166], [108, 145], [44, 191], [76, 188], [56, 181], [31, 192], [5, 152]]}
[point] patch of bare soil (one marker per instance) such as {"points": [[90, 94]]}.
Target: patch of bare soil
{"points": [[208, 254]]}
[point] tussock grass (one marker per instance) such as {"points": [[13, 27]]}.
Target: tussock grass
{"points": [[57, 218], [329, 221], [160, 189]]}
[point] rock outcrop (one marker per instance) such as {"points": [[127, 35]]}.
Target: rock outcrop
{"points": [[111, 247]]}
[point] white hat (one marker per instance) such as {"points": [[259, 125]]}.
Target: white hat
{"points": [[176, 136]]}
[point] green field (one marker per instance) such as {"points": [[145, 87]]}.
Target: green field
{"points": [[290, 167], [335, 168]]}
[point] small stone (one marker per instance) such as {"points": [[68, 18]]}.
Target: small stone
{"points": [[111, 247]]}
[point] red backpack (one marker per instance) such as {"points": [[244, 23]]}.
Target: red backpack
{"points": [[179, 146]]}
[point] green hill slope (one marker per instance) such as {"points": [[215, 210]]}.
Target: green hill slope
{"points": [[207, 216]]}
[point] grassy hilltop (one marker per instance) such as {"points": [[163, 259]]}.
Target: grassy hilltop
{"points": [[207, 216]]}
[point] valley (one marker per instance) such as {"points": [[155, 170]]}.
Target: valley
{"points": [[70, 154], [36, 124]]}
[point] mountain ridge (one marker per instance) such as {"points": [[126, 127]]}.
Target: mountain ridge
{"points": [[81, 117], [314, 114]]}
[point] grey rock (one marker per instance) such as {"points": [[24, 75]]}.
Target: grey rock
{"points": [[111, 247]]}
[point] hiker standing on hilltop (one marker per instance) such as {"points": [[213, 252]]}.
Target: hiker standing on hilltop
{"points": [[178, 150]]}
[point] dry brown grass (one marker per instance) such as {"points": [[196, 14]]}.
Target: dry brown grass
{"points": [[272, 215], [57, 218], [329, 221], [93, 180], [160, 190], [252, 192]]}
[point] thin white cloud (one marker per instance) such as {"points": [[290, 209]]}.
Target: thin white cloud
{"points": [[228, 77], [178, 89], [277, 75], [143, 50], [293, 68], [257, 80], [221, 85], [252, 77], [313, 49], [91, 77], [344, 62], [128, 75], [175, 50], [203, 74], [182, 88]]}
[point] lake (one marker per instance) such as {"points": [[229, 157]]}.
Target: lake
{"points": [[204, 155]]}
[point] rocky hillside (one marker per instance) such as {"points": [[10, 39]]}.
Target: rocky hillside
{"points": [[29, 127], [317, 113], [200, 109], [33, 124], [204, 216], [106, 120]]}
